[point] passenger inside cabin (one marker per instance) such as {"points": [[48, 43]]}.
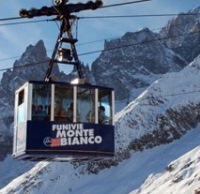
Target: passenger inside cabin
{"points": [[90, 117], [102, 117], [69, 113], [38, 113], [60, 113], [41, 113], [34, 111]]}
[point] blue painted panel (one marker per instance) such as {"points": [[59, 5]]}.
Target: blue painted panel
{"points": [[62, 138]]}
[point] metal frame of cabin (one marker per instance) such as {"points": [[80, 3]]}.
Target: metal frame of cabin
{"points": [[45, 137]]}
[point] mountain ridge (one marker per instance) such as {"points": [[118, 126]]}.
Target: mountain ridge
{"points": [[135, 60]]}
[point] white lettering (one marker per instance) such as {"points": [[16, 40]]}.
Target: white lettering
{"points": [[63, 141], [83, 140], [79, 133], [66, 127], [75, 134], [91, 140], [98, 139], [75, 141], [70, 133], [91, 132], [53, 127], [60, 134]]}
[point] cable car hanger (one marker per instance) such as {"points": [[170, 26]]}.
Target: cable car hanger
{"points": [[63, 12]]}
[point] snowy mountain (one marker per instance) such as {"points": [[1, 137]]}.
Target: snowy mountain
{"points": [[139, 58], [173, 108], [180, 176], [157, 134], [154, 136], [134, 61], [181, 34]]}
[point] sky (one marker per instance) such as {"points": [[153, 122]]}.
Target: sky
{"points": [[91, 32]]}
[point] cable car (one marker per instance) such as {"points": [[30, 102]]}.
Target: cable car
{"points": [[63, 122], [59, 121]]}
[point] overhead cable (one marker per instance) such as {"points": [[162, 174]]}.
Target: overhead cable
{"points": [[106, 6], [104, 17], [27, 22], [13, 18], [139, 15], [125, 3], [23, 66]]}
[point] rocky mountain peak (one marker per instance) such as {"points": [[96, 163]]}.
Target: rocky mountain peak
{"points": [[33, 53], [31, 66], [195, 11], [134, 61], [129, 39], [181, 34], [137, 59]]}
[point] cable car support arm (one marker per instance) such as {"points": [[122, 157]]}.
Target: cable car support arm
{"points": [[65, 28], [63, 11]]}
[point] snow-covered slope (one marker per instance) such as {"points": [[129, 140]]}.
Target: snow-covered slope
{"points": [[149, 165], [180, 176], [169, 104], [167, 115]]}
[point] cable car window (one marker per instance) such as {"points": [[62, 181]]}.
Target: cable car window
{"points": [[21, 97], [63, 104], [86, 105], [41, 103], [104, 109], [21, 107]]}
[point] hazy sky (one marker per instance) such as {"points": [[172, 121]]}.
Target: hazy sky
{"points": [[15, 38]]}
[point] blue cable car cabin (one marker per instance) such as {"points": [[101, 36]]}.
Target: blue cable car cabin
{"points": [[58, 121]]}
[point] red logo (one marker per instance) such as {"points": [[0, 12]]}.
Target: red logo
{"points": [[55, 142]]}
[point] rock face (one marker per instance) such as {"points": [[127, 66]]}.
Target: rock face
{"points": [[134, 61], [31, 66], [137, 59], [181, 34]]}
